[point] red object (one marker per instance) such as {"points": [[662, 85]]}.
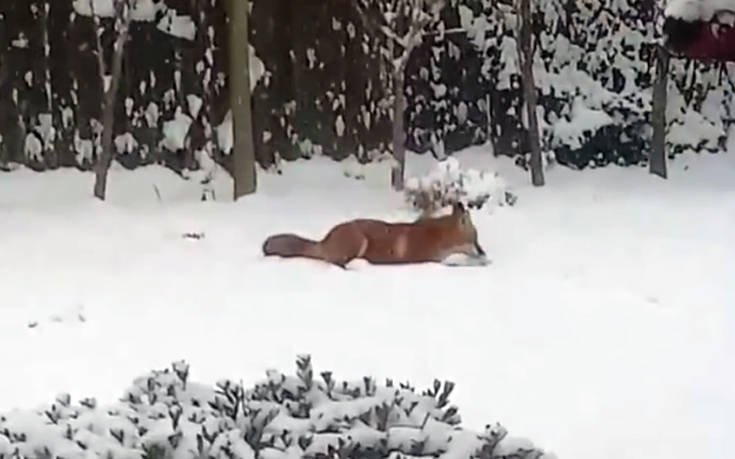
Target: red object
{"points": [[711, 42], [719, 47]]}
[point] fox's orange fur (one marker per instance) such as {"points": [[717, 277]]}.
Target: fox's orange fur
{"points": [[379, 242]]}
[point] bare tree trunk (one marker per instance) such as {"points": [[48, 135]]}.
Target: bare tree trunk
{"points": [[243, 171], [395, 14], [46, 7], [50, 152], [525, 54], [657, 161], [489, 125], [105, 159], [399, 135], [109, 95]]}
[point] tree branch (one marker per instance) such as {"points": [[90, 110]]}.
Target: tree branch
{"points": [[418, 19], [122, 26], [101, 68]]}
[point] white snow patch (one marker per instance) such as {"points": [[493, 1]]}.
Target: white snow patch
{"points": [[178, 26], [176, 130], [195, 105], [33, 147], [339, 126], [126, 143], [146, 10], [584, 122], [694, 130], [143, 10], [46, 130], [84, 149], [605, 320], [152, 114], [20, 42], [257, 68], [508, 55], [67, 117], [697, 10], [225, 134]]}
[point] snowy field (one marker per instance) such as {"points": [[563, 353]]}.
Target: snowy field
{"points": [[602, 329]]}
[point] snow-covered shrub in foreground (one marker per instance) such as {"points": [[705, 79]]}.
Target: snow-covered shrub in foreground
{"points": [[163, 414], [449, 183]]}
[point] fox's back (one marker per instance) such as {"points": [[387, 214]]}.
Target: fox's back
{"points": [[422, 241]]}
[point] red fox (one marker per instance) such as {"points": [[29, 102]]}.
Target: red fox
{"points": [[429, 239]]}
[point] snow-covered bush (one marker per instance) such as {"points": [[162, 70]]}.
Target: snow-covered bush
{"points": [[324, 87], [164, 415], [449, 183]]}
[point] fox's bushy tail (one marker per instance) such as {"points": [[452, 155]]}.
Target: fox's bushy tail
{"points": [[290, 245]]}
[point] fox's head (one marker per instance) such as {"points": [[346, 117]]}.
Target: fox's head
{"points": [[468, 230]]}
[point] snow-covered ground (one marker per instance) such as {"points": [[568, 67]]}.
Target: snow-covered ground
{"points": [[602, 329]]}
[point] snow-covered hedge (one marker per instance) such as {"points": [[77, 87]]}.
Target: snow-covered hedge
{"points": [[449, 183], [323, 86], [164, 415]]}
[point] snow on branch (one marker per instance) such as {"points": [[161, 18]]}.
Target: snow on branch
{"points": [[142, 10], [698, 10], [401, 21], [167, 18]]}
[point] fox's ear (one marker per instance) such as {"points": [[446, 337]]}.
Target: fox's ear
{"points": [[458, 208]]}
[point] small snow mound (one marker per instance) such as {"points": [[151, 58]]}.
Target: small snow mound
{"points": [[448, 184]]}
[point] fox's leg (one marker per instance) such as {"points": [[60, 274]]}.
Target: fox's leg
{"points": [[465, 255], [343, 243]]}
